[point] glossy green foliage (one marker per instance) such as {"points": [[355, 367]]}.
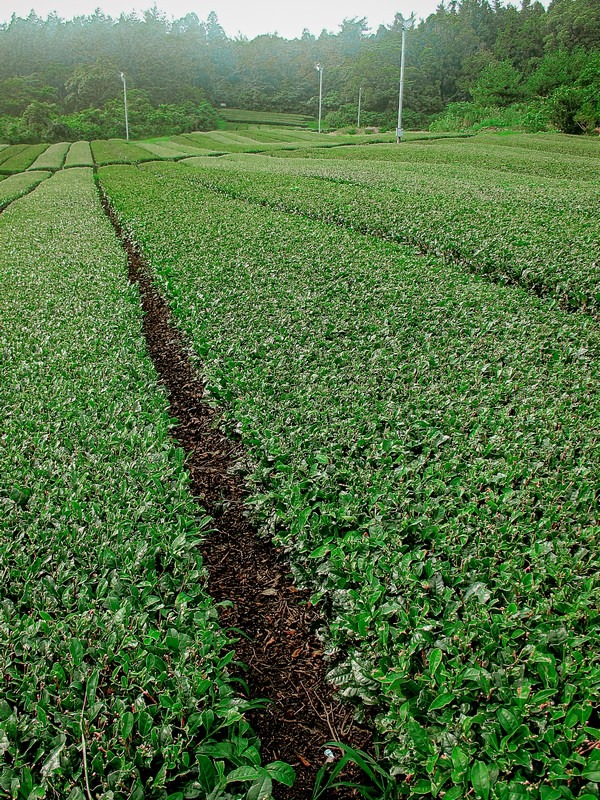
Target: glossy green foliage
{"points": [[425, 445], [540, 232], [114, 668]]}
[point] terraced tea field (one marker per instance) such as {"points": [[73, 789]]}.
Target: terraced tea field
{"points": [[401, 343], [530, 227]]}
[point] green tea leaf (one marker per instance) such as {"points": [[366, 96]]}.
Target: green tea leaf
{"points": [[435, 659], [508, 720], [261, 790], [243, 774], [282, 772], [480, 780], [126, 724], [442, 700]]}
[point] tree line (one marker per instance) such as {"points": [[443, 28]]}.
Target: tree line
{"points": [[470, 63]]}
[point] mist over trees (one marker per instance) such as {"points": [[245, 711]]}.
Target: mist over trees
{"points": [[60, 79]]}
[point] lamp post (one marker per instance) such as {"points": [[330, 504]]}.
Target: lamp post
{"points": [[399, 131], [320, 68], [125, 102], [359, 104]]}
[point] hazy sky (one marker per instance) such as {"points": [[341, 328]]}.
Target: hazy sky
{"points": [[250, 17]]}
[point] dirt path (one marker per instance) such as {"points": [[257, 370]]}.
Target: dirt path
{"points": [[279, 646]]}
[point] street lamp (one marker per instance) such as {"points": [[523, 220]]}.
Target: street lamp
{"points": [[320, 68], [125, 102], [399, 131], [359, 104]]}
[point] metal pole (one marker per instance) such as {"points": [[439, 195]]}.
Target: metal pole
{"points": [[125, 102], [320, 68], [399, 131], [359, 102]]}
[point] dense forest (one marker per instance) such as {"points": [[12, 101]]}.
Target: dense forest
{"points": [[472, 62]]}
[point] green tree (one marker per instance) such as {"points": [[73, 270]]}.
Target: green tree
{"points": [[553, 70], [214, 31], [18, 92], [500, 84], [92, 85], [37, 119], [573, 23], [351, 35], [521, 34], [566, 106], [575, 107]]}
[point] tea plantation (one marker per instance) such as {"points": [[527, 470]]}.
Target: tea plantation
{"points": [[405, 340]]}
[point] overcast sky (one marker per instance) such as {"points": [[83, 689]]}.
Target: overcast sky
{"points": [[250, 17]]}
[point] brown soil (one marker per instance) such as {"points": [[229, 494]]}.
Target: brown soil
{"points": [[278, 645]]}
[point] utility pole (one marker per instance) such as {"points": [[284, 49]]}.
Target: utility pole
{"points": [[320, 68], [359, 103], [125, 103], [399, 131]]}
